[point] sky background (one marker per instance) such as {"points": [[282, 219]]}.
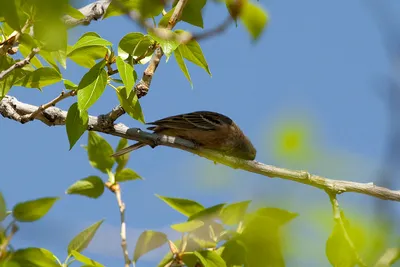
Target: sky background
{"points": [[319, 70]]}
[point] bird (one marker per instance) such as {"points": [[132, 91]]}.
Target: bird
{"points": [[207, 129]]}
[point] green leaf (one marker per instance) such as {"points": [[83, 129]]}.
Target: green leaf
{"points": [[89, 41], [74, 13], [192, 13], [134, 44], [254, 19], [233, 213], [210, 258], [35, 257], [192, 52], [3, 208], [122, 160], [25, 52], [99, 152], [208, 213], [33, 210], [130, 103], [126, 175], [185, 206], [40, 78], [69, 85], [51, 33], [146, 8], [278, 215], [48, 57], [168, 46], [76, 123], [91, 186], [88, 261], [182, 65], [187, 226], [234, 253], [126, 73], [92, 86], [8, 10], [148, 241], [9, 263], [87, 56], [82, 240]]}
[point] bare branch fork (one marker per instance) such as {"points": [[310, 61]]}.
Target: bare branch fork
{"points": [[11, 108]]}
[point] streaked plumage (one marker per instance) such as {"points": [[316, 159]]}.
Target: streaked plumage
{"points": [[209, 130]]}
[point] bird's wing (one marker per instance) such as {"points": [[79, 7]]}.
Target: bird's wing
{"points": [[204, 120]]}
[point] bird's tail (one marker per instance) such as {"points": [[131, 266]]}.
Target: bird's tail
{"points": [[128, 149]]}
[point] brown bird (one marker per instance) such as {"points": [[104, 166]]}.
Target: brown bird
{"points": [[209, 130]]}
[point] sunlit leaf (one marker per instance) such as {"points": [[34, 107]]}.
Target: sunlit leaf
{"points": [[148, 240], [91, 186], [88, 261], [99, 152], [126, 175], [33, 210], [185, 206], [76, 123], [188, 226], [34, 257], [254, 19], [130, 103], [82, 240]]}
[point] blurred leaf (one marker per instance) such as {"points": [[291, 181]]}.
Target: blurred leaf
{"points": [[76, 123], [99, 152], [187, 226], [168, 46], [34, 257], [148, 240], [69, 85], [9, 263], [89, 41], [192, 52], [33, 210], [192, 13], [88, 261], [82, 240], [40, 78], [254, 19], [185, 206], [92, 86], [126, 73], [182, 65], [233, 213], [234, 253], [130, 103], [91, 186], [134, 44], [8, 10], [163, 23], [146, 8], [210, 258], [126, 175], [208, 213], [122, 160], [338, 250], [169, 257], [74, 13], [3, 208], [279, 215], [51, 33]]}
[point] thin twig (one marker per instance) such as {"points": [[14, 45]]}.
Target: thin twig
{"points": [[339, 220], [11, 108], [19, 64], [28, 117], [6, 242], [116, 189], [93, 11], [388, 258], [212, 32]]}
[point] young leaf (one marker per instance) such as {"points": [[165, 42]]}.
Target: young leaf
{"points": [[234, 253], [182, 65], [87, 56], [91, 186], [33, 210], [192, 13], [185, 206], [88, 41], [3, 208], [192, 52], [76, 124], [92, 86], [34, 257], [148, 241], [82, 240], [210, 258], [126, 175], [187, 227], [99, 152], [168, 46], [75, 13], [134, 44], [126, 72], [278, 215], [40, 78], [87, 261], [208, 213], [254, 19], [69, 85], [130, 103], [233, 213], [8, 10], [122, 160]]}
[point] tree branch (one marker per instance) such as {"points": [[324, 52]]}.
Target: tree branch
{"points": [[11, 108], [19, 64], [93, 11]]}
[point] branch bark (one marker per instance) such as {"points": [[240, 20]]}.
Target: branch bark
{"points": [[11, 108]]}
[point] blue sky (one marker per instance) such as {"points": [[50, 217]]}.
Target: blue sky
{"points": [[320, 64]]}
